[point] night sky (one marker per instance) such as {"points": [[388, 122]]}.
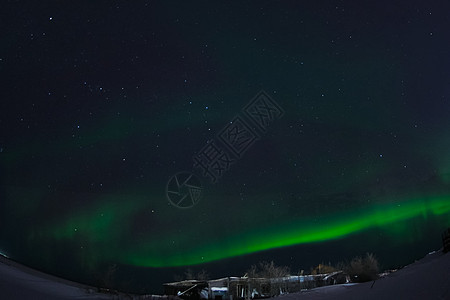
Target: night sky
{"points": [[329, 122]]}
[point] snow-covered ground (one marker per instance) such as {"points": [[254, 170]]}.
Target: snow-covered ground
{"points": [[20, 282], [428, 278]]}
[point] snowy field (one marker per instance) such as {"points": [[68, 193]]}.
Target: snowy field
{"points": [[428, 278], [20, 282]]}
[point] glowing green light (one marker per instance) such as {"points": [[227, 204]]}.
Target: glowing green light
{"points": [[104, 227], [154, 254]]}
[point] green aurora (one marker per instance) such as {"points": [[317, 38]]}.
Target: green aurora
{"points": [[162, 251], [104, 103]]}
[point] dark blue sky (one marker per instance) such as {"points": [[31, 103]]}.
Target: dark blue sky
{"points": [[103, 102]]}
